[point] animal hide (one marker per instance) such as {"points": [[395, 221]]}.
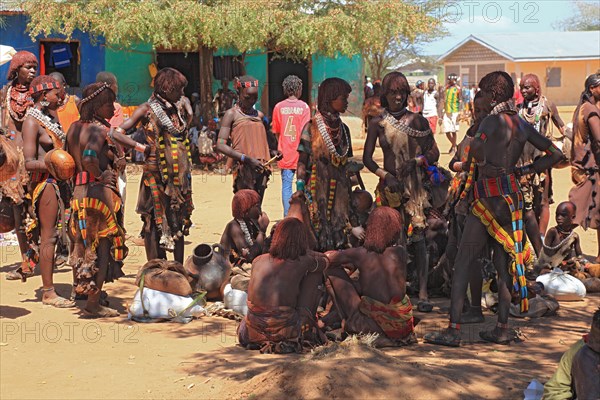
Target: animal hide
{"points": [[330, 230], [166, 276], [553, 257], [414, 193]]}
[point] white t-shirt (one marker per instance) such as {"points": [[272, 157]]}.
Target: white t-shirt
{"points": [[430, 104]]}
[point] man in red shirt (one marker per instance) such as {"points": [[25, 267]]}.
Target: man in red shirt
{"points": [[289, 117]]}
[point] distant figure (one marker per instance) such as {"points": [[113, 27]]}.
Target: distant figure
{"points": [[68, 112], [224, 98], [417, 97], [431, 101], [289, 117], [368, 89], [451, 108]]}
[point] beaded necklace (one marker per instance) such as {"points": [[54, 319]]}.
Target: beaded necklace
{"points": [[17, 100], [403, 127], [53, 128], [163, 118], [506, 106], [534, 117], [324, 131], [253, 113]]}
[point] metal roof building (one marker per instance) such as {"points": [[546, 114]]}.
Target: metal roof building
{"points": [[562, 60]]}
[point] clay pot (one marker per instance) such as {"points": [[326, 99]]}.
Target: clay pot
{"points": [[7, 217], [209, 269]]}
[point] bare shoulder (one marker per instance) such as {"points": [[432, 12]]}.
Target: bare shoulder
{"points": [[375, 121], [551, 234], [398, 251], [229, 114], [419, 122], [145, 107], [261, 115]]}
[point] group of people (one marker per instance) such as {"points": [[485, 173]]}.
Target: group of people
{"points": [[339, 249]]}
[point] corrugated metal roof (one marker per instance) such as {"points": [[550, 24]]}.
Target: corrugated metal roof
{"points": [[10, 6], [538, 46]]}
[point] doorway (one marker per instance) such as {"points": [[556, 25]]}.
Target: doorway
{"points": [[279, 68], [186, 63]]}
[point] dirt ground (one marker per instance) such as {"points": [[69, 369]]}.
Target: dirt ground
{"points": [[57, 354]]}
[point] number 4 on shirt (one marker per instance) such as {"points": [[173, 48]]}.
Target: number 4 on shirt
{"points": [[290, 129]]}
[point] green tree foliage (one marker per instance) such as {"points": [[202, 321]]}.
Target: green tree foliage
{"points": [[586, 18], [295, 28]]}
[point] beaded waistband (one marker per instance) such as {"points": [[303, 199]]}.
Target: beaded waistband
{"points": [[37, 176], [84, 177], [494, 187]]}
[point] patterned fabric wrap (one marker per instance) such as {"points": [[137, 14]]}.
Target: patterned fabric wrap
{"points": [[97, 213], [328, 194], [32, 229], [395, 319], [516, 245], [165, 196], [269, 326]]}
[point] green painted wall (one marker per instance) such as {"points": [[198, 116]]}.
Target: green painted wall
{"points": [[256, 66], [347, 68], [131, 68]]}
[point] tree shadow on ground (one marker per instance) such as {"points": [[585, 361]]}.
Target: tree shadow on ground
{"points": [[13, 312]]}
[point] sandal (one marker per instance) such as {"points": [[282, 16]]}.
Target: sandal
{"points": [[19, 273], [443, 338], [424, 306], [493, 337], [58, 302], [103, 312]]}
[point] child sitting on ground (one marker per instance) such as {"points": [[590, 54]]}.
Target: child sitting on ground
{"points": [[562, 246]]}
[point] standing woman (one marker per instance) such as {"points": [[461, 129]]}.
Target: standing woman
{"points": [[540, 113], [165, 198], [41, 134], [14, 102], [496, 212], [243, 125], [585, 156], [97, 218], [324, 148]]}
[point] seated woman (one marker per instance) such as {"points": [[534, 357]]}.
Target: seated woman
{"points": [[244, 236], [378, 303], [284, 293]]}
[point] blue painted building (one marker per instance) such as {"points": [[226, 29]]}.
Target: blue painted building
{"points": [[132, 66], [87, 58]]}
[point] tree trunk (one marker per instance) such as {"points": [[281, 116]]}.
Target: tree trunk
{"points": [[206, 78]]}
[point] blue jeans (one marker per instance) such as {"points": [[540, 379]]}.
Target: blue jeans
{"points": [[287, 178]]}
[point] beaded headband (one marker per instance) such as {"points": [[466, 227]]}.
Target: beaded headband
{"points": [[96, 93], [249, 84], [43, 86]]}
